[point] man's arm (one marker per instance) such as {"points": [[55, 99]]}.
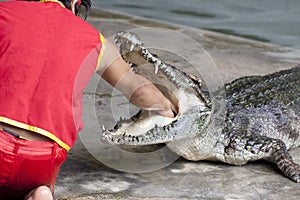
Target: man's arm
{"points": [[138, 90]]}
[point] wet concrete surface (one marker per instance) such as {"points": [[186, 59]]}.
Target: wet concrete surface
{"points": [[95, 170]]}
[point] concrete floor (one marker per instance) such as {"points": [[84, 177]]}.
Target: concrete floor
{"points": [[164, 175]]}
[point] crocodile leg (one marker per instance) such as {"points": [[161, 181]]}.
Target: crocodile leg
{"points": [[285, 162], [256, 147]]}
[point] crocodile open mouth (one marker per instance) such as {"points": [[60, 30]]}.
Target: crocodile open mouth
{"points": [[146, 120], [183, 91]]}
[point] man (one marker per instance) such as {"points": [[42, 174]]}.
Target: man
{"points": [[47, 56]]}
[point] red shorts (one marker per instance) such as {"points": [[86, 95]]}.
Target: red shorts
{"points": [[25, 164]]}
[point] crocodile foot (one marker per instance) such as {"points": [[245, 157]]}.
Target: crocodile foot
{"points": [[285, 163]]}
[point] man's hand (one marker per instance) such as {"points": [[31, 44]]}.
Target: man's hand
{"points": [[140, 91], [148, 97]]}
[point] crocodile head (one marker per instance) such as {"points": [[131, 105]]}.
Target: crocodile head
{"points": [[184, 91]]}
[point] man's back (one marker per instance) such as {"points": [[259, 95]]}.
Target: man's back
{"points": [[47, 56]]}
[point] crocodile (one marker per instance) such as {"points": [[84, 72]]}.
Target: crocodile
{"points": [[260, 119]]}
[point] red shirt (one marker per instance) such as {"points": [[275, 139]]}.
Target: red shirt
{"points": [[47, 56]]}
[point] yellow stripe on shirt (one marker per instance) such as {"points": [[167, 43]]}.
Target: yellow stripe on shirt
{"points": [[102, 40], [36, 130]]}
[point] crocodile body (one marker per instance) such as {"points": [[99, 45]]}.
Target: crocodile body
{"points": [[262, 122], [262, 118]]}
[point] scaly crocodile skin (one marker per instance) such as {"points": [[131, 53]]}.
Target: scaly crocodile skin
{"points": [[262, 118]]}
